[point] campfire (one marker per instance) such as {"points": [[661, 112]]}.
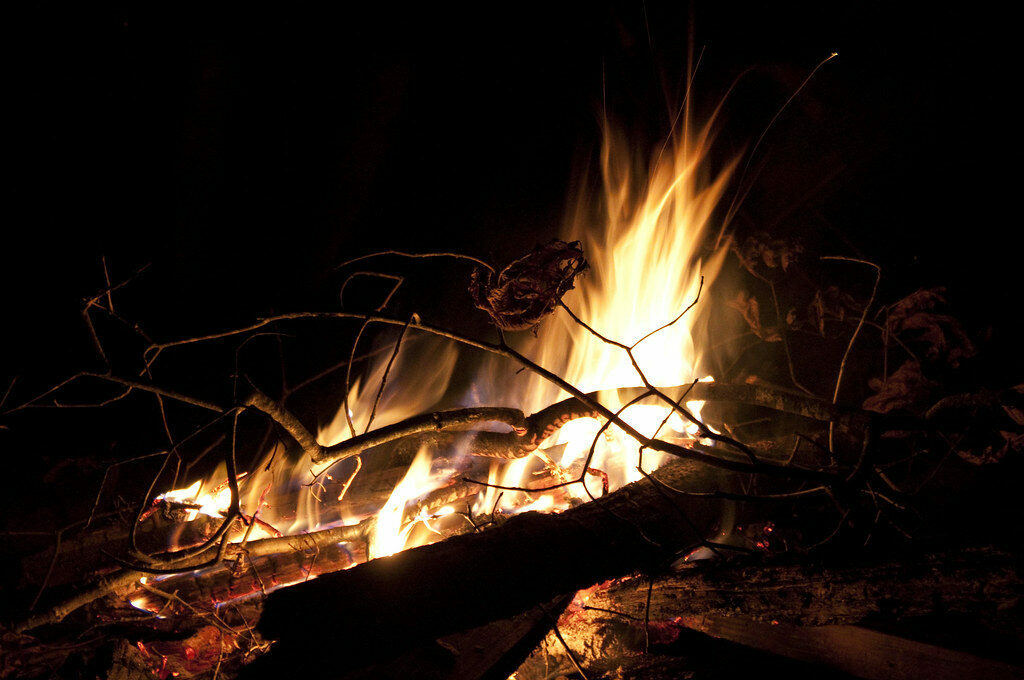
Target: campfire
{"points": [[662, 442]]}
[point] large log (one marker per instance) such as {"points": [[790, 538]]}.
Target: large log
{"points": [[376, 610]]}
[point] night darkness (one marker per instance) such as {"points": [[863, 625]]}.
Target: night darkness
{"points": [[244, 151]]}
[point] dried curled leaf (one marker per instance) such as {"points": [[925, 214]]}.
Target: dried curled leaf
{"points": [[832, 304], [940, 336], [902, 389], [760, 251], [994, 452], [1013, 403], [749, 308], [990, 424], [528, 289]]}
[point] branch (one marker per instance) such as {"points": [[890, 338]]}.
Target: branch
{"points": [[123, 583], [283, 417]]}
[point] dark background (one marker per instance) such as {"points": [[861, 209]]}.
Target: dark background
{"points": [[244, 151]]}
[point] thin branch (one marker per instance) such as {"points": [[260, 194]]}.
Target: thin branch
{"points": [[501, 350], [103, 482], [565, 645], [398, 253], [49, 571], [431, 422], [7, 392], [126, 382], [387, 371], [733, 206], [399, 280], [853, 338], [283, 417], [704, 429], [346, 409], [696, 299]]}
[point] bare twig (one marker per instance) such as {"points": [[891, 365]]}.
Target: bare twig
{"points": [[387, 371], [733, 206], [398, 281], [283, 417], [853, 338], [457, 256], [628, 349]]}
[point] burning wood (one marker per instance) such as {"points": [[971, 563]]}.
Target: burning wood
{"points": [[470, 580]]}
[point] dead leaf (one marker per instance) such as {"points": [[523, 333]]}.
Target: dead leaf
{"points": [[940, 337], [791, 319], [1015, 409], [902, 389], [750, 310], [529, 288], [762, 251], [832, 304], [996, 452]]}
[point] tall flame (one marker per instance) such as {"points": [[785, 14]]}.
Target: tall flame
{"points": [[645, 249], [645, 269], [644, 240]]}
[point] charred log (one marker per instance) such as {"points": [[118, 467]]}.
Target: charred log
{"points": [[391, 604]]}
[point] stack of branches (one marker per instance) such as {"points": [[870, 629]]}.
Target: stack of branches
{"points": [[210, 592]]}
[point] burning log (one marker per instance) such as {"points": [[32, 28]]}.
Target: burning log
{"points": [[469, 580], [123, 582], [254, 574]]}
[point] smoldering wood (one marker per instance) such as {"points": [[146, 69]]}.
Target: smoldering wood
{"points": [[392, 603], [119, 584], [88, 554], [379, 488]]}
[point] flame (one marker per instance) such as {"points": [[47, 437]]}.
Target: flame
{"points": [[646, 268], [644, 241], [390, 535]]}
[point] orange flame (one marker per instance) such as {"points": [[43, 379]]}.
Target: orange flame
{"points": [[646, 267]]}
